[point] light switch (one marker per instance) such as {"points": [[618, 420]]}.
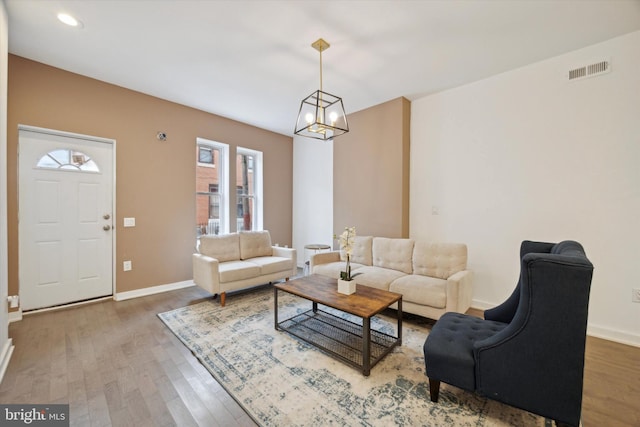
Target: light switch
{"points": [[129, 222]]}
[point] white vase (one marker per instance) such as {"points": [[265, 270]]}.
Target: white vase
{"points": [[346, 287]]}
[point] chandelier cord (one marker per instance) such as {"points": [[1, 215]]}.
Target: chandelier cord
{"points": [[320, 50]]}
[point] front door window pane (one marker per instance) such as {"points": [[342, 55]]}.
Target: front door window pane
{"points": [[67, 160]]}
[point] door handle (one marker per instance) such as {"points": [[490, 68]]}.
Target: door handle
{"points": [[106, 228], [106, 216]]}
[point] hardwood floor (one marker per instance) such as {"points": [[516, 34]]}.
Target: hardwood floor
{"points": [[116, 363]]}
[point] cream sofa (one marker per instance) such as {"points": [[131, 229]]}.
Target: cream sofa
{"points": [[432, 277], [240, 260]]}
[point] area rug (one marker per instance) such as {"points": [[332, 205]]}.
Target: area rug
{"points": [[281, 381]]}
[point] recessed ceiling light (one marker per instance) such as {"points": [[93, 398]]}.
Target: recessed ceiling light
{"points": [[69, 20]]}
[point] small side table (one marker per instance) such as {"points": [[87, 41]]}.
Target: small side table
{"points": [[317, 247]]}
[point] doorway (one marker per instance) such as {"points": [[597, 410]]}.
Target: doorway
{"points": [[65, 205]]}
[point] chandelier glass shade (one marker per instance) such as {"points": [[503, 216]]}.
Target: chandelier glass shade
{"points": [[321, 114]]}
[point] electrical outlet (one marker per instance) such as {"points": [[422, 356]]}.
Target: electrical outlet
{"points": [[635, 295], [126, 266]]}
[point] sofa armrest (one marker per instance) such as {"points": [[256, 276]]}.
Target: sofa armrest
{"points": [[206, 273], [290, 253], [459, 291], [323, 258]]}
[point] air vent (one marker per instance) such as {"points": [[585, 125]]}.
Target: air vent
{"points": [[591, 70]]}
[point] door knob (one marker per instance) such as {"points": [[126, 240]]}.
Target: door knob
{"points": [[106, 216], [106, 228]]}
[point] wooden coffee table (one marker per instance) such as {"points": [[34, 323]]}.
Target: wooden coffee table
{"points": [[352, 343]]}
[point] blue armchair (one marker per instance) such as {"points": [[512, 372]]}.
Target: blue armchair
{"points": [[528, 352]]}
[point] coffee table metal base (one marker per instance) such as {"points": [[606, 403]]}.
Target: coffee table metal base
{"points": [[354, 344]]}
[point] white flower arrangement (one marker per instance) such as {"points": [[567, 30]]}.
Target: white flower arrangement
{"points": [[346, 244]]}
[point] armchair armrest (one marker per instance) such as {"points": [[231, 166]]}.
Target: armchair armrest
{"points": [[323, 258], [206, 273], [290, 253], [459, 291]]}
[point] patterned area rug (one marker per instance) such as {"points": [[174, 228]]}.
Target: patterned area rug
{"points": [[281, 381]]}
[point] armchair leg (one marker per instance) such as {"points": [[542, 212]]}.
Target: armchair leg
{"points": [[223, 298], [434, 389]]}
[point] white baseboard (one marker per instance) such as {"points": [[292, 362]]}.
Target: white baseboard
{"points": [[15, 316], [121, 296], [613, 335], [592, 330], [5, 357]]}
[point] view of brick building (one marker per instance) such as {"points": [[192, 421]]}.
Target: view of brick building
{"points": [[208, 191]]}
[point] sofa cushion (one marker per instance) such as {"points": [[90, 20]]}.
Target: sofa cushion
{"points": [[224, 247], [361, 253], [421, 290], [232, 271], [272, 264], [441, 260], [333, 269], [393, 253], [255, 244], [376, 277]]}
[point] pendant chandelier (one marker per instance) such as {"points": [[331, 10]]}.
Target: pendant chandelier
{"points": [[321, 114]]}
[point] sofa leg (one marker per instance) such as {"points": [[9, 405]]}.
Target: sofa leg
{"points": [[434, 389], [223, 298]]}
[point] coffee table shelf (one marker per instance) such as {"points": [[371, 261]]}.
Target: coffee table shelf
{"points": [[352, 343], [338, 337]]}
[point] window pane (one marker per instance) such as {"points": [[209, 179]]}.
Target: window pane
{"points": [[60, 156], [245, 174], [90, 166], [48, 162], [208, 213], [205, 155], [245, 213]]}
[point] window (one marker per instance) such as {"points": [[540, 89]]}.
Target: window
{"points": [[67, 160], [206, 155], [212, 200], [249, 189]]}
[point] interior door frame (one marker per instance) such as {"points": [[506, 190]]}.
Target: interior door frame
{"points": [[79, 136]]}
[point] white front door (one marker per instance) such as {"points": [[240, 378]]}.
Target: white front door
{"points": [[65, 218]]}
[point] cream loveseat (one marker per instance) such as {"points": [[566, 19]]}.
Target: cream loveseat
{"points": [[240, 260], [432, 277]]}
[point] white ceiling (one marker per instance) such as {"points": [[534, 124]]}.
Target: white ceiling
{"points": [[252, 61]]}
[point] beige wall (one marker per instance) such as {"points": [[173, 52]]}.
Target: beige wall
{"points": [[371, 171], [155, 181]]}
